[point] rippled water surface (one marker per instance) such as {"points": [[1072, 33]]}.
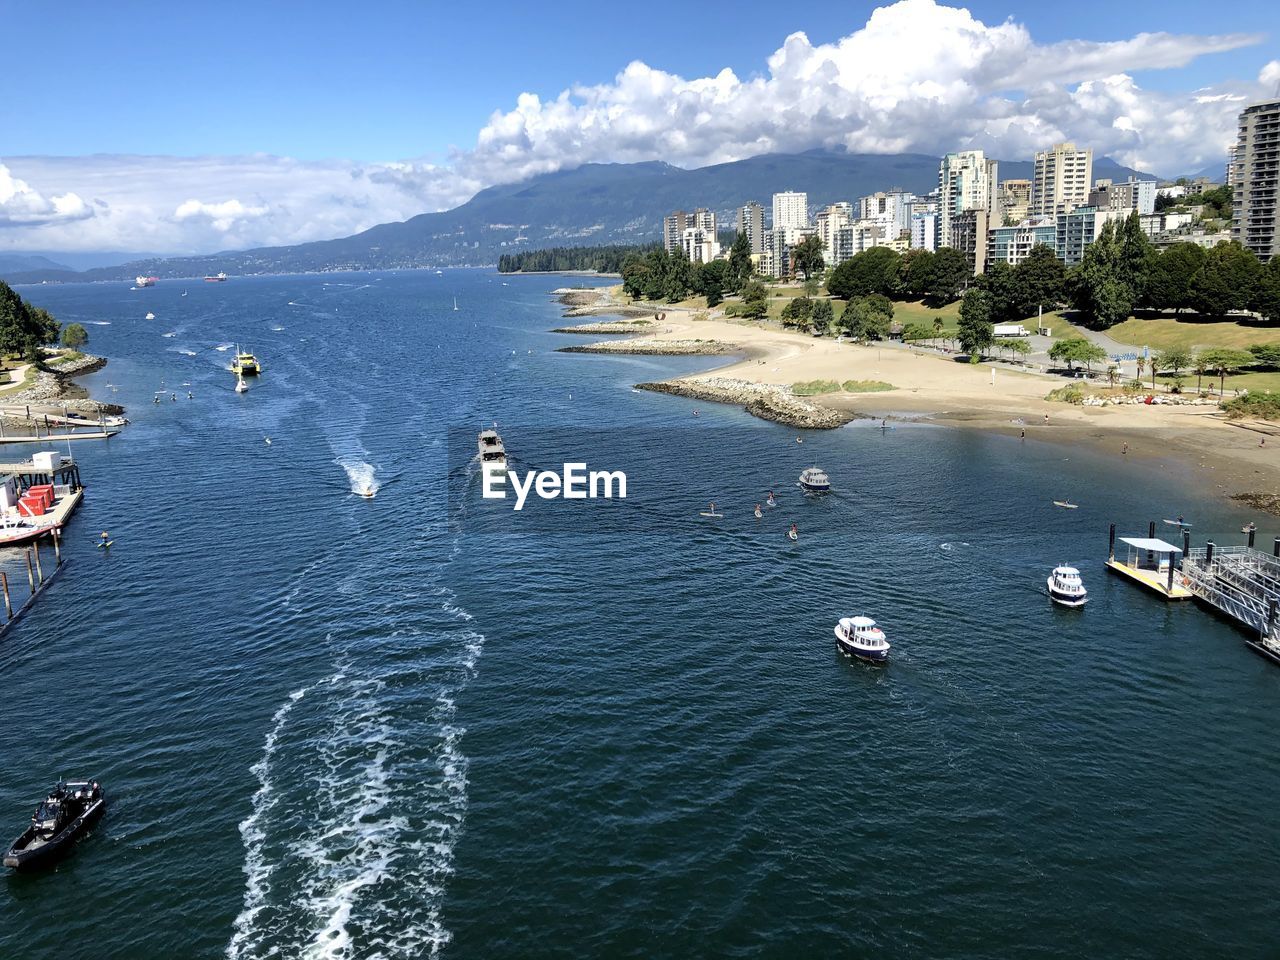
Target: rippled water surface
{"points": [[421, 723]]}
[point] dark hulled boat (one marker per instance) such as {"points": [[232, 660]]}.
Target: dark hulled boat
{"points": [[69, 811]]}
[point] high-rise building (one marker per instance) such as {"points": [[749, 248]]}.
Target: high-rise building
{"points": [[1012, 244], [891, 209], [1125, 197], [674, 226], [1079, 228], [699, 245], [790, 210], [1015, 200], [827, 224], [751, 222], [966, 181], [969, 234], [1255, 179], [924, 230], [1061, 181]]}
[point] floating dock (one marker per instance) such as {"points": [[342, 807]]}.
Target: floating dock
{"points": [[1149, 562]]}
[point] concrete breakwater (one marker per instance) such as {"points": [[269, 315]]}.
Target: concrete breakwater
{"points": [[763, 400], [609, 326]]}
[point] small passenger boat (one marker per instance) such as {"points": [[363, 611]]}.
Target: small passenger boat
{"points": [[62, 817]]}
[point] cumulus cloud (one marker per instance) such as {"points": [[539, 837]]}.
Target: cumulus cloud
{"points": [[918, 76], [20, 205]]}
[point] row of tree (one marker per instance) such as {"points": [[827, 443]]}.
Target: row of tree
{"points": [[937, 277], [24, 329], [1121, 271], [606, 259], [669, 275]]}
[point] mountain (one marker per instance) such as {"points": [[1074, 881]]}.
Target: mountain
{"points": [[592, 204], [19, 263]]}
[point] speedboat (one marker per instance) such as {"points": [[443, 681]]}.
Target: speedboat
{"points": [[1066, 587], [245, 363], [493, 455], [814, 480], [860, 637], [69, 810], [241, 386], [149, 316]]}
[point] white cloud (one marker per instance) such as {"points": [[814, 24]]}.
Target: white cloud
{"points": [[20, 205], [918, 76]]}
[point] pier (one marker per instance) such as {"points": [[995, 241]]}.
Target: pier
{"points": [[37, 582], [1242, 583]]}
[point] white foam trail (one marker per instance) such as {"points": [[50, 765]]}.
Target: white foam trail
{"points": [[257, 871], [187, 353], [99, 323], [224, 347], [361, 474]]}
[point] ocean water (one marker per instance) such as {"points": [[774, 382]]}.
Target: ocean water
{"points": [[425, 724]]}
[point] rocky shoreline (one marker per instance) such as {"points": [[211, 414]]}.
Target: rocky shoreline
{"points": [[761, 400], [655, 348], [52, 387], [610, 326], [594, 302]]}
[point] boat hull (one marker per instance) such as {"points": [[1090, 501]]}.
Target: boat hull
{"points": [[18, 857], [1066, 599], [815, 487]]}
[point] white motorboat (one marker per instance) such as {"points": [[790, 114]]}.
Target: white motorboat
{"points": [[241, 386], [1066, 587], [815, 480], [149, 316], [493, 455], [860, 637]]}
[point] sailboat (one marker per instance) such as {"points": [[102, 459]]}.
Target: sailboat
{"points": [[241, 386], [455, 303]]}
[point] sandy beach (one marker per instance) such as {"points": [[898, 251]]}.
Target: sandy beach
{"points": [[1224, 455]]}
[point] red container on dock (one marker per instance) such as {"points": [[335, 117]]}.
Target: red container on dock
{"points": [[43, 491], [31, 507]]}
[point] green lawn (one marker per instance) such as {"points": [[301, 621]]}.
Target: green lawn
{"points": [[1165, 332], [1241, 381]]}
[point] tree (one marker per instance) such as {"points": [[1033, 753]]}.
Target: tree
{"points": [[1040, 281], [1016, 346], [949, 272], [755, 300], [1169, 283], [1173, 359], [74, 335], [871, 271], [709, 280], [1098, 287], [1266, 354], [868, 318], [806, 256], [1199, 367], [739, 271], [1073, 350], [1226, 281], [1134, 257], [23, 328], [1266, 296], [977, 332], [797, 313], [914, 272], [1223, 360], [679, 277], [822, 317], [915, 331]]}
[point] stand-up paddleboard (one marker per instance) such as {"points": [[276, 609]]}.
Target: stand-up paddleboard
{"points": [[1183, 523], [103, 544], [708, 513], [1066, 504], [758, 513]]}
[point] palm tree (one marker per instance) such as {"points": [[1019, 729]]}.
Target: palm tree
{"points": [[1200, 367], [1142, 366], [1156, 361], [1113, 375]]}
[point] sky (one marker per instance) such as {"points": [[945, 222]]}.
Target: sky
{"points": [[179, 128]]}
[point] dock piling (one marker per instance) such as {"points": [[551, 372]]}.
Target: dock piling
{"points": [[1275, 548], [1111, 548], [1169, 582], [31, 574], [1208, 556], [1151, 530], [35, 548], [57, 547], [1252, 531], [8, 607], [1273, 614], [1186, 542]]}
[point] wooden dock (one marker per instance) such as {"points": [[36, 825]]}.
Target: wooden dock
{"points": [[1153, 580], [1150, 563], [59, 437]]}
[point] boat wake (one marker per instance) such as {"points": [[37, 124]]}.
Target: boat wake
{"points": [[360, 800], [362, 476]]}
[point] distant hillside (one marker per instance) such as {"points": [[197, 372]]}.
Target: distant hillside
{"points": [[592, 205], [20, 263]]}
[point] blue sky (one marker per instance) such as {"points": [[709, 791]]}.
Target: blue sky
{"points": [[391, 80], [187, 128]]}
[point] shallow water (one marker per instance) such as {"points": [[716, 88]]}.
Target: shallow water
{"points": [[339, 727]]}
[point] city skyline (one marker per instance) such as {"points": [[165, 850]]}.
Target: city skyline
{"points": [[910, 77]]}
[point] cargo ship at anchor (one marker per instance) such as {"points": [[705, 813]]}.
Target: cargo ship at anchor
{"points": [[216, 278]]}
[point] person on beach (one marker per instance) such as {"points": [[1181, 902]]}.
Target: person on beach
{"points": [[1022, 435], [1125, 448], [1046, 419]]}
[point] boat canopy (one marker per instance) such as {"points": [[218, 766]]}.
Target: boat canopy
{"points": [[1152, 545], [1067, 571], [859, 622]]}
